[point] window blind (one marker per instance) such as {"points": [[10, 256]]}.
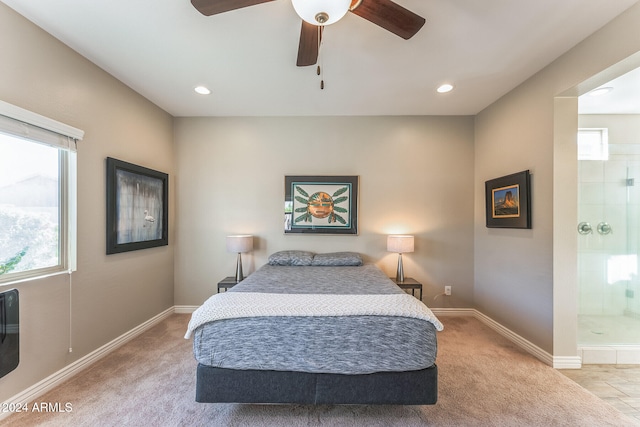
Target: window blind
{"points": [[22, 123]]}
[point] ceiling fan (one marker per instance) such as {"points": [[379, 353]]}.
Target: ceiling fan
{"points": [[316, 14]]}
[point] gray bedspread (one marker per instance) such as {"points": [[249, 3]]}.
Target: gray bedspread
{"points": [[365, 279], [322, 344]]}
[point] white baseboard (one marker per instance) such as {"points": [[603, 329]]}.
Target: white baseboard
{"points": [[567, 362], [526, 345], [442, 312], [185, 309], [521, 342], [610, 354], [57, 378]]}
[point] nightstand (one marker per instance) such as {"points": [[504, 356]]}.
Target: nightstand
{"points": [[410, 283], [226, 283]]}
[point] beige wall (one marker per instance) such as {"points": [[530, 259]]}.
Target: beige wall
{"points": [[419, 175], [514, 268], [111, 294], [416, 177]]}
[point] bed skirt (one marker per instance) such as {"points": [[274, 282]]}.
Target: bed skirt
{"points": [[220, 385]]}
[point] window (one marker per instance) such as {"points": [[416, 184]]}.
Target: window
{"points": [[37, 195], [593, 144]]}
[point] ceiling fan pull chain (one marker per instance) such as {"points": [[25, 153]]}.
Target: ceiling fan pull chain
{"points": [[320, 69]]}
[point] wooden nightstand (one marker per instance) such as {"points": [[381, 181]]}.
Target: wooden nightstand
{"points": [[410, 283], [226, 283]]}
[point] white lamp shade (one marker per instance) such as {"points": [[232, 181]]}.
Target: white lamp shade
{"points": [[316, 11], [400, 244], [239, 244]]}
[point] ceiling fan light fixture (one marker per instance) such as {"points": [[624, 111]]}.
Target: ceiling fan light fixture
{"points": [[321, 12]]}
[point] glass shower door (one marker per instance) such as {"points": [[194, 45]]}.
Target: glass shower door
{"points": [[608, 244], [632, 291]]}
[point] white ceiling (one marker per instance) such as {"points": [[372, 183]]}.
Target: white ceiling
{"points": [[164, 48], [624, 97]]}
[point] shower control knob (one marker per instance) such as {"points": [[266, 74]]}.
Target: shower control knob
{"points": [[584, 228], [604, 228]]}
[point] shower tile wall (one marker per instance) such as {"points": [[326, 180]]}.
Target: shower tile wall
{"points": [[603, 196]]}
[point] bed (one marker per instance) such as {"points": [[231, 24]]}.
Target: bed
{"points": [[315, 329]]}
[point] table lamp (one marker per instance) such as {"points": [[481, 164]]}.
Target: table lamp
{"points": [[400, 244], [239, 244]]}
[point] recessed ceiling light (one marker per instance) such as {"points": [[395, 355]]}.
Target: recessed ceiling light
{"points": [[600, 91], [202, 90], [445, 88]]}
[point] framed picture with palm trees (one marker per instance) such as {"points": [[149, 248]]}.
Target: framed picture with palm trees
{"points": [[321, 204], [137, 207]]}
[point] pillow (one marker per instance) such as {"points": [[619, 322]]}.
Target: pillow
{"points": [[337, 259], [291, 258]]}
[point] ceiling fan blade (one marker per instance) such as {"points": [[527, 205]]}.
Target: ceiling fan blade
{"points": [[213, 7], [309, 44], [390, 16]]}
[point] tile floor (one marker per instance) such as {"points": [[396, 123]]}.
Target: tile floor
{"points": [[619, 385]]}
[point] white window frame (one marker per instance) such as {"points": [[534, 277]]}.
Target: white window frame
{"points": [[21, 123], [602, 151]]}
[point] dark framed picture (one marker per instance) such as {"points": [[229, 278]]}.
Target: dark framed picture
{"points": [[321, 204], [137, 207], [508, 201]]}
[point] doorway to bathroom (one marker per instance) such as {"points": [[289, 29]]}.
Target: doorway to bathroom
{"points": [[608, 224]]}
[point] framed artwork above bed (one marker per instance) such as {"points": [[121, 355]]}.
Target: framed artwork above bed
{"points": [[321, 204]]}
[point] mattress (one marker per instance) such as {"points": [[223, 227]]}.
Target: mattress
{"points": [[348, 340]]}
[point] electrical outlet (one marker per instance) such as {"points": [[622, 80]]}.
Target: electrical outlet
{"points": [[447, 290]]}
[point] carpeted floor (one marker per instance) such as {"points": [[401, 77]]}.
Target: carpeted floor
{"points": [[484, 380]]}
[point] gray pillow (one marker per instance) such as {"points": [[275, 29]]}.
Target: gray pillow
{"points": [[337, 259], [291, 258]]}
